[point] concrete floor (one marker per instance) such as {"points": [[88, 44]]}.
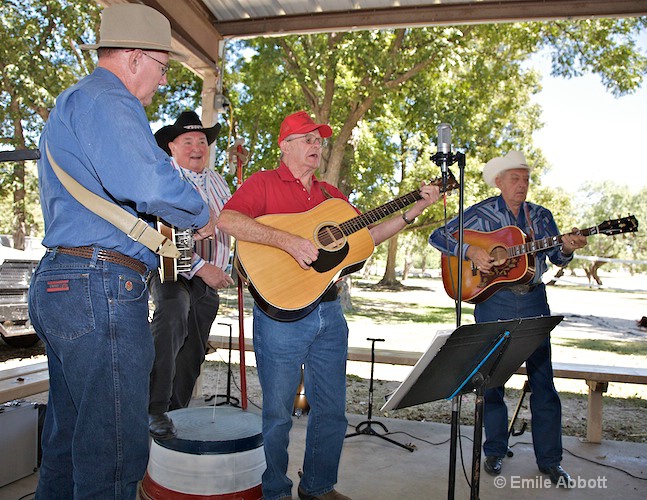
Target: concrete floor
{"points": [[373, 468]]}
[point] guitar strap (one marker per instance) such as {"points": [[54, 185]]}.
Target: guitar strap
{"points": [[136, 229], [531, 230], [325, 192]]}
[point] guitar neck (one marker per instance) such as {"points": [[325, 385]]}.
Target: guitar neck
{"points": [[545, 243], [361, 221]]}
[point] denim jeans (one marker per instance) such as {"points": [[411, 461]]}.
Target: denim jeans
{"points": [[93, 318], [184, 312], [320, 343], [545, 405]]}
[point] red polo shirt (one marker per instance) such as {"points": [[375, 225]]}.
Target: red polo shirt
{"points": [[279, 192]]}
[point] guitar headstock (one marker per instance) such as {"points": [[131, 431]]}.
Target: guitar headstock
{"points": [[627, 224], [452, 183]]}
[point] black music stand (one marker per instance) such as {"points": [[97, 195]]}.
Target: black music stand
{"points": [[471, 359], [366, 427]]}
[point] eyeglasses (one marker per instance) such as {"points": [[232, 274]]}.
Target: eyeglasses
{"points": [[311, 139], [165, 66]]}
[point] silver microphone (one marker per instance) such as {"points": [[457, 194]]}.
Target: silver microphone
{"points": [[444, 145]]}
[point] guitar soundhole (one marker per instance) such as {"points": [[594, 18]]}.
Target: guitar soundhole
{"points": [[330, 237], [500, 255]]}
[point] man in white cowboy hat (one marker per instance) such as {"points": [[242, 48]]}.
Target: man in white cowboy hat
{"points": [[88, 299], [511, 175], [186, 308]]}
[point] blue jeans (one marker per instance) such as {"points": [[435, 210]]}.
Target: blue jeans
{"points": [[545, 405], [320, 343], [184, 312], [93, 318]]}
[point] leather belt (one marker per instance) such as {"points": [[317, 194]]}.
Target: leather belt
{"points": [[522, 289], [105, 255]]}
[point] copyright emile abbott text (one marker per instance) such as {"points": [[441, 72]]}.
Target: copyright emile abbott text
{"points": [[542, 482]]}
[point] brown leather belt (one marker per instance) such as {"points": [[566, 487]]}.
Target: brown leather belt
{"points": [[105, 255]]}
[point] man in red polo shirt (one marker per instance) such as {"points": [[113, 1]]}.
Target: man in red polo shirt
{"points": [[318, 341]]}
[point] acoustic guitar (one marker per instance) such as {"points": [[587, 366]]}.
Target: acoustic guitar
{"points": [[285, 291], [183, 239], [513, 258]]}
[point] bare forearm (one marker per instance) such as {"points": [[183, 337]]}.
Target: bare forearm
{"points": [[383, 231], [244, 228]]}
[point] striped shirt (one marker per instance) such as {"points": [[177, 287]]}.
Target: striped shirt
{"points": [[492, 214], [215, 192]]}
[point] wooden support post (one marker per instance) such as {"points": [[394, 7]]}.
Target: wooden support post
{"points": [[594, 422]]}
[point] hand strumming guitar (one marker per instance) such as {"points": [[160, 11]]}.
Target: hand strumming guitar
{"points": [[481, 259]]}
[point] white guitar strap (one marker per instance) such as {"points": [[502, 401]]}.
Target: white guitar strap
{"points": [[136, 229]]}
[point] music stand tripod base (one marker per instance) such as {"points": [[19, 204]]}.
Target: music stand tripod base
{"points": [[366, 427]]}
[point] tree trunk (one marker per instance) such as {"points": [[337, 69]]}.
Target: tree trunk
{"points": [[594, 271], [408, 264], [366, 273], [18, 179], [389, 278], [344, 294], [19, 206]]}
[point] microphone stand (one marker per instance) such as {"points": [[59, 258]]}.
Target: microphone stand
{"points": [[443, 160]]}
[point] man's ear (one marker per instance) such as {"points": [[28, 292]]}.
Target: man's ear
{"points": [[133, 60]]}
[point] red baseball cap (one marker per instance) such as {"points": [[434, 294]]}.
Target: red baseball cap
{"points": [[301, 123]]}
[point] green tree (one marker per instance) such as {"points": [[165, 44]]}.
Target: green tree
{"points": [[39, 58], [611, 201]]}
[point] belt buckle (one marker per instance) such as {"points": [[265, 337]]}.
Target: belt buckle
{"points": [[520, 289]]}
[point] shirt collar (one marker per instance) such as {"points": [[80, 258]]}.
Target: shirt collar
{"points": [[286, 175]]}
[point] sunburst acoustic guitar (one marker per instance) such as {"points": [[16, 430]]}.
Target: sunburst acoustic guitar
{"points": [[513, 258], [285, 291], [183, 239]]}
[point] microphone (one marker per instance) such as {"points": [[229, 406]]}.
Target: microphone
{"points": [[444, 145]]}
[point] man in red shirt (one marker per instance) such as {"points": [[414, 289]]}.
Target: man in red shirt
{"points": [[318, 341]]}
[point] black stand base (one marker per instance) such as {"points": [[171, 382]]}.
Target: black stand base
{"points": [[366, 427]]}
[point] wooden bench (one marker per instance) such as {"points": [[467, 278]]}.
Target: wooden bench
{"points": [[23, 381], [596, 377]]}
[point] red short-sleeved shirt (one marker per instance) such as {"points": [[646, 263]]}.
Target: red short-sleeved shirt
{"points": [[279, 192]]}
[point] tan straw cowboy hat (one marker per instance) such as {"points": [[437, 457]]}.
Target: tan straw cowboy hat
{"points": [[133, 26], [514, 159]]}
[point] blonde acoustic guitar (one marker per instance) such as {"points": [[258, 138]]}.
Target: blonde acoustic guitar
{"points": [[285, 291]]}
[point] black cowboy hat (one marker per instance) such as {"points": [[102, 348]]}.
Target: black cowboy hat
{"points": [[188, 121]]}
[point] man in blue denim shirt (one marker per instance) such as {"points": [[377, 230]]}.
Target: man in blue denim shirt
{"points": [[88, 299], [510, 174]]}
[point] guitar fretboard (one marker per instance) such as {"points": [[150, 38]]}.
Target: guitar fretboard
{"points": [[361, 221], [548, 242], [372, 216]]}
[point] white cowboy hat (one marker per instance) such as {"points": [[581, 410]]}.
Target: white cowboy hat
{"points": [[514, 159], [133, 26]]}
